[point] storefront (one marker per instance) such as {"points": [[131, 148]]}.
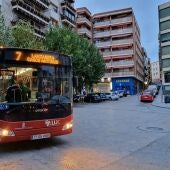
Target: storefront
{"points": [[131, 84]]}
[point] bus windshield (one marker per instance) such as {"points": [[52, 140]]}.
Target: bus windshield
{"points": [[26, 93]]}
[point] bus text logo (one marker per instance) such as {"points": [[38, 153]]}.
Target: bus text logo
{"points": [[52, 123]]}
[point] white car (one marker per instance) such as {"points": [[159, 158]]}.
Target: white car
{"points": [[154, 89], [111, 96]]}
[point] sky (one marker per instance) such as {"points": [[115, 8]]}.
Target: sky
{"points": [[146, 13]]}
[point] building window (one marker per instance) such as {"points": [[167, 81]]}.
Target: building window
{"points": [[55, 8], [167, 77], [166, 63], [165, 25], [165, 37], [164, 12], [166, 50]]}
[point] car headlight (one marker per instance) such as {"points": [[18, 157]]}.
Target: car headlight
{"points": [[6, 132]]}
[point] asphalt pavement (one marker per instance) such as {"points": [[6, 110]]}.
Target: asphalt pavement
{"points": [[116, 135]]}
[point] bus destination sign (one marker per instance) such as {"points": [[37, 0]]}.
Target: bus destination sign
{"points": [[36, 58]]}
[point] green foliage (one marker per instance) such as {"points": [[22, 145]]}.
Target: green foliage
{"points": [[88, 64], [23, 36], [6, 38]]}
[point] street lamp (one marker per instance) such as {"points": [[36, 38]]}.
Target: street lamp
{"points": [[109, 79], [102, 79], [146, 83]]}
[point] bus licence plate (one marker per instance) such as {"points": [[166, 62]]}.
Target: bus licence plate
{"points": [[40, 136]]}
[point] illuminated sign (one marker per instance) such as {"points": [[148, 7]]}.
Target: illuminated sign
{"points": [[122, 81], [36, 58]]}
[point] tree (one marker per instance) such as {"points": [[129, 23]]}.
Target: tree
{"points": [[24, 36], [6, 38], [88, 64]]}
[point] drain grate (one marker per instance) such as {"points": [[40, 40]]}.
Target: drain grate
{"points": [[152, 129]]}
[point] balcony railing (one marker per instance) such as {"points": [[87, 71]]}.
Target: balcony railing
{"points": [[113, 32], [19, 5], [119, 74], [118, 52], [85, 31], [114, 43], [113, 21], [68, 4], [66, 19], [121, 20], [84, 20], [42, 3], [120, 64]]}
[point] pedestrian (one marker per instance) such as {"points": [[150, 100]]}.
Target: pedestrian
{"points": [[13, 92], [25, 91]]}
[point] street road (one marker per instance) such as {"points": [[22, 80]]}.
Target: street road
{"points": [[115, 135]]}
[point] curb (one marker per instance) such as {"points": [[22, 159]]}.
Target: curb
{"points": [[160, 106]]}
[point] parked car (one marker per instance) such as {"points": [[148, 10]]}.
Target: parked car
{"points": [[147, 95], [120, 93], [102, 96], [154, 89], [111, 96], [76, 98], [92, 97]]}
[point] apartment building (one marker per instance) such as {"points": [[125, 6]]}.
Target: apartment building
{"points": [[164, 44], [155, 70], [40, 13], [147, 68], [84, 23], [117, 35]]}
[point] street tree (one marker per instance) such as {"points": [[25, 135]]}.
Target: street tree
{"points": [[88, 64], [24, 36], [6, 37]]}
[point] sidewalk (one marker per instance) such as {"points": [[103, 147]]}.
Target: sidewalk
{"points": [[158, 101]]}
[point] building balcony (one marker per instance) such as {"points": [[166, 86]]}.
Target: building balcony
{"points": [[118, 52], [20, 7], [113, 22], [44, 4], [68, 5], [120, 74], [113, 33], [120, 64], [65, 19], [114, 43], [84, 20], [85, 31], [121, 20]]}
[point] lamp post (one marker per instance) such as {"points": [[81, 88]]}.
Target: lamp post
{"points": [[146, 84]]}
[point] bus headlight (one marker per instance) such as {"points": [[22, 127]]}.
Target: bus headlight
{"points": [[5, 132], [68, 126]]}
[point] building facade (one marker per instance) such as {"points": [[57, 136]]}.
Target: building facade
{"points": [[41, 14], [117, 35], [147, 68], [84, 23], [155, 70], [164, 44]]}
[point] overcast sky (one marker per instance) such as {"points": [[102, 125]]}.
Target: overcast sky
{"points": [[146, 12]]}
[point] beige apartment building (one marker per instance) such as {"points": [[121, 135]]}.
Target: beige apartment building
{"points": [[84, 23], [117, 35], [40, 13]]}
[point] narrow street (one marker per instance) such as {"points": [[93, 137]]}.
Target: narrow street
{"points": [[120, 135]]}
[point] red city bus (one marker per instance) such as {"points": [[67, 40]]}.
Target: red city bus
{"points": [[47, 110]]}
